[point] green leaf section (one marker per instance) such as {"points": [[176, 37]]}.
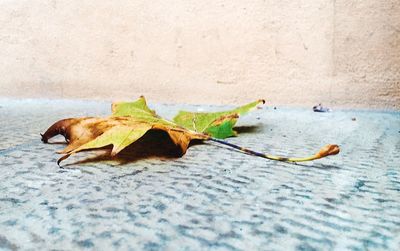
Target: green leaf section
{"points": [[223, 130], [216, 124], [139, 110]]}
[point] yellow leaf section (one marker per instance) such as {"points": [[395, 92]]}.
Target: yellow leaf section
{"points": [[119, 136]]}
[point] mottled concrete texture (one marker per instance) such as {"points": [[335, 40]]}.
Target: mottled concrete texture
{"points": [[212, 198], [338, 52]]}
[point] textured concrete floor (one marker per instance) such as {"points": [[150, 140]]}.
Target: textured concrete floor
{"points": [[211, 198]]}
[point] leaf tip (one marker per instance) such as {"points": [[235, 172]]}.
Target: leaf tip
{"points": [[61, 159], [143, 98], [58, 163], [44, 139], [115, 150]]}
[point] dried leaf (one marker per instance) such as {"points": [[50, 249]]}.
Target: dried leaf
{"points": [[130, 121]]}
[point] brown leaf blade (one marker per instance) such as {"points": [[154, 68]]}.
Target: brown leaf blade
{"points": [[129, 122]]}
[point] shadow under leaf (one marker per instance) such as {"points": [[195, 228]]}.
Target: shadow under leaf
{"points": [[247, 129], [318, 166], [155, 144]]}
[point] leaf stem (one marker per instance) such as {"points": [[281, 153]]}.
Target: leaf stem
{"points": [[323, 152]]}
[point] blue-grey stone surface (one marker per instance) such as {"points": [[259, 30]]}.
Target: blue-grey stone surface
{"points": [[212, 198]]}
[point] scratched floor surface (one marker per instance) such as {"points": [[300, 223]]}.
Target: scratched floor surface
{"points": [[210, 199]]}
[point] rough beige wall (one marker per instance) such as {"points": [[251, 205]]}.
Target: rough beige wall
{"points": [[209, 51], [366, 52]]}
